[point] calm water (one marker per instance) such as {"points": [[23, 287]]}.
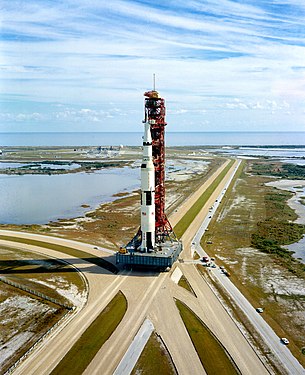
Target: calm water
{"points": [[37, 199], [299, 249], [295, 155], [134, 139]]}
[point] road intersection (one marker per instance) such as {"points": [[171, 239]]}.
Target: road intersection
{"points": [[152, 296]]}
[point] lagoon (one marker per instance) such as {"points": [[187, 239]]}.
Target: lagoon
{"points": [[38, 199]]}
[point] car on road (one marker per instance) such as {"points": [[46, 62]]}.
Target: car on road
{"points": [[222, 267], [284, 340], [205, 259], [259, 309], [213, 265]]}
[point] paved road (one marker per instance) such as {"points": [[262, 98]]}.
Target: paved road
{"points": [[207, 307], [102, 286], [205, 212], [134, 351], [148, 295], [280, 351], [177, 215]]}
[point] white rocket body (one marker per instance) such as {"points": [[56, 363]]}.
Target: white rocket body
{"points": [[147, 193]]}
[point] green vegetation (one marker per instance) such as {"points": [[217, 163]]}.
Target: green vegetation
{"points": [[183, 282], [196, 255], [42, 167], [212, 354], [290, 171], [277, 230], [68, 250], [187, 219], [154, 359], [93, 338]]}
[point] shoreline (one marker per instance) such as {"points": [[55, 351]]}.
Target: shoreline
{"points": [[297, 187]]}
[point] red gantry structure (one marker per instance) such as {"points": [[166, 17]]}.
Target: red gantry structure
{"points": [[155, 244], [155, 116]]}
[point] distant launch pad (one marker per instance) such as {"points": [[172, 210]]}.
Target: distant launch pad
{"points": [[155, 244]]}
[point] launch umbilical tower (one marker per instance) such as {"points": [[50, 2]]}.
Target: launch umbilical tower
{"points": [[155, 116]]}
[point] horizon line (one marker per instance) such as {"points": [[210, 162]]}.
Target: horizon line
{"points": [[137, 132]]}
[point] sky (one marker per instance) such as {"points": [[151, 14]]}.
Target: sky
{"points": [[83, 66]]}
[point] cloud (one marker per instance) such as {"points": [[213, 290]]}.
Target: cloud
{"points": [[67, 114], [21, 117], [85, 55], [265, 105]]}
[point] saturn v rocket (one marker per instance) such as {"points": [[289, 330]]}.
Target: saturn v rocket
{"points": [[147, 193], [155, 243]]}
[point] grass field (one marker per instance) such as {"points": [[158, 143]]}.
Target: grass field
{"points": [[185, 284], [93, 338], [154, 359], [187, 219], [212, 354]]}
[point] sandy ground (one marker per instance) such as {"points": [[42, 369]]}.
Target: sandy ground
{"points": [[152, 296]]}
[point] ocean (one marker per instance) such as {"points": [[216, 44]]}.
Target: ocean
{"points": [[172, 139]]}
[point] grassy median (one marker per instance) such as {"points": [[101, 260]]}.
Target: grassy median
{"points": [[154, 359], [212, 354], [183, 282], [91, 341], [187, 219]]}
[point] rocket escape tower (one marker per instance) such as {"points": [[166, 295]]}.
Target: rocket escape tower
{"points": [[155, 244]]}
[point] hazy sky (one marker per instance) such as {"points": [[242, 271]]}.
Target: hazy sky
{"points": [[221, 65]]}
